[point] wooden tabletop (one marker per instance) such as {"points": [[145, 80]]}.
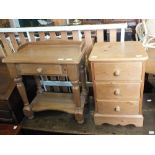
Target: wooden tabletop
{"points": [[53, 51], [118, 51]]}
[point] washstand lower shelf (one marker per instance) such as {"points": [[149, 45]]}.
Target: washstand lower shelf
{"points": [[57, 101], [53, 101]]}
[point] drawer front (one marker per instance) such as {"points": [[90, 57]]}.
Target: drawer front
{"points": [[127, 108], [118, 71], [117, 90], [41, 69]]}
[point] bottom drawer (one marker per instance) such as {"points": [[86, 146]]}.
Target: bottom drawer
{"points": [[121, 107]]}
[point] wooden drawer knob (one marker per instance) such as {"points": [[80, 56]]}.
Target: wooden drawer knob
{"points": [[39, 70], [116, 92], [117, 109], [117, 73]]}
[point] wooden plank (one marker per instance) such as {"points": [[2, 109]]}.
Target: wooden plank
{"points": [[64, 35], [100, 35], [113, 35], [42, 36], [53, 35], [115, 107], [32, 36], [54, 101], [2, 54], [75, 35], [22, 38], [5, 44], [62, 78], [13, 41], [88, 38], [123, 120], [120, 91], [89, 44], [130, 71]]}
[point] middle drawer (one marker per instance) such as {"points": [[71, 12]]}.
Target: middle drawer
{"points": [[117, 90]]}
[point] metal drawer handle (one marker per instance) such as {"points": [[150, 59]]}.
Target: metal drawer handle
{"points": [[117, 73], [117, 109], [116, 92], [39, 70]]}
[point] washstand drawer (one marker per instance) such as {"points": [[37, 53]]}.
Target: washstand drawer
{"points": [[118, 71], [117, 90], [41, 69], [123, 107]]}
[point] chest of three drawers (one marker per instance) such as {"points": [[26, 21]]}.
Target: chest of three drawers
{"points": [[118, 79]]}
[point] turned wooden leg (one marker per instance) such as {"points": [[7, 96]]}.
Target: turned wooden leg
{"points": [[39, 88], [21, 88], [77, 100], [83, 82]]}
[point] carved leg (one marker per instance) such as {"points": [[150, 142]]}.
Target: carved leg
{"points": [[39, 88], [83, 83], [21, 88], [77, 100]]}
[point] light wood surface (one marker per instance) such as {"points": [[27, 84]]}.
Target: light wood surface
{"points": [[52, 35], [113, 35], [42, 36], [75, 35], [55, 58], [8, 50], [64, 35], [48, 52], [118, 71], [43, 69], [118, 79], [32, 36], [115, 90], [123, 120], [54, 101], [116, 51], [22, 38], [117, 107], [100, 35], [150, 64], [13, 41]]}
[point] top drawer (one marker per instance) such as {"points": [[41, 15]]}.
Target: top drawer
{"points": [[40, 69], [117, 71]]}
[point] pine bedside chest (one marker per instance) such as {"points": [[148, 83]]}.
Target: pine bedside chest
{"points": [[118, 71]]}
